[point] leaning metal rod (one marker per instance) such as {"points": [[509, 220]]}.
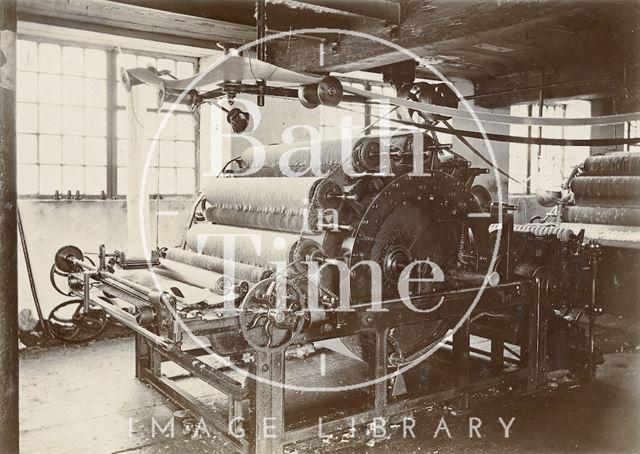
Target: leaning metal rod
{"points": [[32, 284], [107, 275], [129, 321], [422, 300]]}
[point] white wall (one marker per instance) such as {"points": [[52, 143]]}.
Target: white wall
{"points": [[51, 224]]}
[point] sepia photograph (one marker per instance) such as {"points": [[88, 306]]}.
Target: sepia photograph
{"points": [[319, 226]]}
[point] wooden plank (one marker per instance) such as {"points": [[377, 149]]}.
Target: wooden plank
{"points": [[36, 20], [429, 30], [105, 13], [385, 10]]}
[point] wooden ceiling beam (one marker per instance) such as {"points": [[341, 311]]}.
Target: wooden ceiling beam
{"points": [[570, 81], [426, 29], [134, 20], [384, 10]]}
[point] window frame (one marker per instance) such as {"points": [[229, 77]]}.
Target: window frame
{"points": [[112, 79], [534, 153]]}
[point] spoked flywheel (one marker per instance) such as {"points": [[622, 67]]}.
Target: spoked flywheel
{"points": [[272, 314], [69, 322]]}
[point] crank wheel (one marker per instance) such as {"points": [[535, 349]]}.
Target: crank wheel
{"points": [[54, 275], [272, 315], [69, 322]]}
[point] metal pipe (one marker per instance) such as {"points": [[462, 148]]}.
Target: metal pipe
{"points": [[9, 421], [261, 26], [139, 288], [130, 322]]}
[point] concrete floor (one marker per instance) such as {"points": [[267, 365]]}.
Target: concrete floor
{"points": [[85, 399]]}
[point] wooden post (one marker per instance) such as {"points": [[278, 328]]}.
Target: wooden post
{"points": [[533, 349], [269, 436], [497, 354], [9, 430], [380, 370], [461, 340]]}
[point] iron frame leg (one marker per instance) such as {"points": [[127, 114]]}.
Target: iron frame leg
{"points": [[497, 354], [269, 416], [380, 370], [537, 333], [461, 347]]}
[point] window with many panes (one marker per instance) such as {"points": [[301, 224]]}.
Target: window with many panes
{"points": [[72, 133], [546, 167], [62, 119], [173, 170]]}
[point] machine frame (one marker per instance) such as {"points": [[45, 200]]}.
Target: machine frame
{"points": [[530, 295]]}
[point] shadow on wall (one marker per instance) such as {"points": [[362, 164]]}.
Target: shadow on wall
{"points": [[50, 224]]}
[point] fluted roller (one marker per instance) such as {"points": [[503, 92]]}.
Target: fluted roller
{"points": [[618, 163], [269, 221], [187, 294], [252, 247], [582, 200], [602, 215], [267, 161], [242, 271], [603, 186], [197, 277], [552, 230], [283, 204]]}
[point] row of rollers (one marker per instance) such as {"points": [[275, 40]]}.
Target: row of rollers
{"points": [[563, 234]]}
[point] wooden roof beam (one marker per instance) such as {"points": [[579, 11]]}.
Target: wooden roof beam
{"points": [[384, 10], [425, 27], [136, 21], [579, 82]]}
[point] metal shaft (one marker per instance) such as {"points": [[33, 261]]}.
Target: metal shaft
{"points": [[9, 430]]}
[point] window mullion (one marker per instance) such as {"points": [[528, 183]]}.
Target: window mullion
{"points": [[112, 110]]}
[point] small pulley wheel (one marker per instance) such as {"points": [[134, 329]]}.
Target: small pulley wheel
{"points": [[330, 91], [62, 259], [481, 197], [366, 157], [238, 119], [328, 195], [304, 250], [308, 96], [69, 322], [272, 315]]}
